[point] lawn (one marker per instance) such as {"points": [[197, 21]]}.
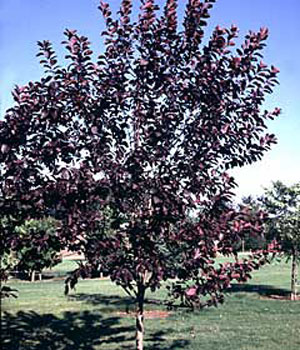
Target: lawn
{"points": [[94, 317]]}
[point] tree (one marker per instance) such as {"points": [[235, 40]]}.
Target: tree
{"points": [[283, 204], [252, 240], [150, 131], [37, 247]]}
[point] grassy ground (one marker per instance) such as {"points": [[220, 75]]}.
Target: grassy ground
{"points": [[42, 318]]}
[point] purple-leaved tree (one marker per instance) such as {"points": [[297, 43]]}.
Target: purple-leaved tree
{"points": [[124, 150]]}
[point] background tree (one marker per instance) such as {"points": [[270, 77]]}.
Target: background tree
{"points": [[283, 205], [253, 240], [149, 130], [36, 248], [7, 233]]}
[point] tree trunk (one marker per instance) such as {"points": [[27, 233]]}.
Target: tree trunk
{"points": [[294, 276], [32, 276], [140, 319]]}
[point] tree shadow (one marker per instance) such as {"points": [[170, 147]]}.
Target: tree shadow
{"points": [[105, 303], [102, 299], [109, 303], [158, 341], [81, 331], [75, 330], [263, 290]]}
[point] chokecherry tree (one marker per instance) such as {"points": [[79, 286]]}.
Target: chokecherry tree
{"points": [[148, 131]]}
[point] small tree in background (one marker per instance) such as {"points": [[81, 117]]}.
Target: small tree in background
{"points": [[283, 204], [253, 240], [36, 247], [149, 130]]}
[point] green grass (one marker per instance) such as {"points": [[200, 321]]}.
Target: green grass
{"points": [[62, 269], [43, 318]]}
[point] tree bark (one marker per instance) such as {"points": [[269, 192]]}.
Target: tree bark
{"points": [[294, 276], [32, 276], [140, 319]]}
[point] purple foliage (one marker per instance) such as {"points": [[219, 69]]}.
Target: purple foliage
{"points": [[148, 132]]}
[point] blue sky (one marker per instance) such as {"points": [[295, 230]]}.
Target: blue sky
{"points": [[24, 22]]}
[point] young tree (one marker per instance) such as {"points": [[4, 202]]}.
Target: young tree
{"points": [[252, 240], [149, 131], [37, 247], [283, 204]]}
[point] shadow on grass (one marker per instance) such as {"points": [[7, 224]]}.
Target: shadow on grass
{"points": [[102, 299], [263, 290], [110, 303], [80, 331]]}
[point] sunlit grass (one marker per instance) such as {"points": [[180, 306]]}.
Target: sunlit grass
{"points": [[94, 317]]}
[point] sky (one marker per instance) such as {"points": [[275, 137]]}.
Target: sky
{"points": [[24, 22]]}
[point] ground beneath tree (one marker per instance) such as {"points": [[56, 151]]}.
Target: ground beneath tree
{"points": [[151, 314]]}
